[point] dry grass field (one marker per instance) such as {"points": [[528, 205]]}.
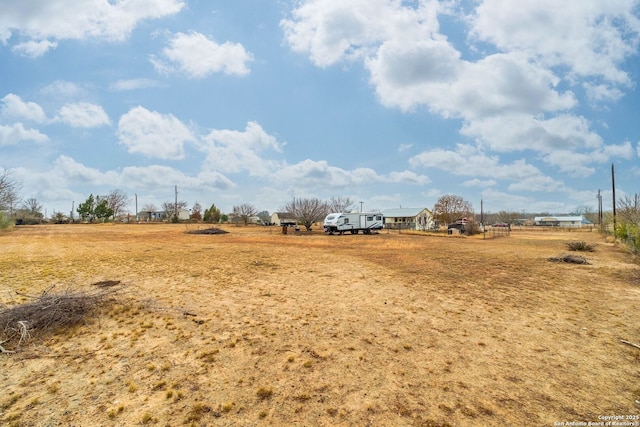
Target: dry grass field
{"points": [[258, 328]]}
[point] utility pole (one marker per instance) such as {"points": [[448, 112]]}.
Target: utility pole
{"points": [[613, 188], [136, 207], [175, 206], [73, 203], [599, 197], [360, 207]]}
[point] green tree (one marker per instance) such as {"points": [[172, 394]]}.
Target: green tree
{"points": [[102, 211], [264, 217], [212, 214], [86, 210]]}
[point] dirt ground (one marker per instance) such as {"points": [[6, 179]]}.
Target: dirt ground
{"points": [[311, 330]]}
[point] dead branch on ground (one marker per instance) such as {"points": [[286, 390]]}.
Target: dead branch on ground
{"points": [[52, 310]]}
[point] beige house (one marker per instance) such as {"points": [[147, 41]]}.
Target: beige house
{"points": [[409, 219], [282, 218]]}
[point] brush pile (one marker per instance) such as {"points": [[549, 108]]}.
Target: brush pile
{"points": [[52, 311], [571, 259], [211, 230]]}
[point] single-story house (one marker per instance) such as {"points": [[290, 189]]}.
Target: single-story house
{"points": [[282, 218], [409, 218], [561, 221], [159, 216]]}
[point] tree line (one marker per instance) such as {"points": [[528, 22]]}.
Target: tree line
{"points": [[306, 211]]}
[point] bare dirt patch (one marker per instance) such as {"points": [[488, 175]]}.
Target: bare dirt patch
{"points": [[254, 327]]}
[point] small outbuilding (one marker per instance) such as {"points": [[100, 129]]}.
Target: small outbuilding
{"points": [[282, 218]]}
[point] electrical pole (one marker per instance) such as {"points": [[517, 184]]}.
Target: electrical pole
{"points": [[175, 206], [136, 207], [360, 207], [613, 188]]}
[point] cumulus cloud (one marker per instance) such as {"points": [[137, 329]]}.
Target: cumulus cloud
{"points": [[590, 37], [83, 115], [513, 88], [197, 57], [509, 132], [469, 161], [319, 174], [232, 151], [42, 22], [13, 107], [70, 170], [153, 134], [17, 133]]}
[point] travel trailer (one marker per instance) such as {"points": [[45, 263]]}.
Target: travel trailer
{"points": [[354, 222]]}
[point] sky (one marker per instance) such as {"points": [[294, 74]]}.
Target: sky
{"points": [[519, 105]]}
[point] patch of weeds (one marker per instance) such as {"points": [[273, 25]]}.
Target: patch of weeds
{"points": [[302, 397], [332, 411], [197, 411], [10, 402], [263, 414], [147, 418], [208, 356], [581, 246], [133, 387], [264, 393], [227, 407], [308, 364], [159, 385], [114, 412]]}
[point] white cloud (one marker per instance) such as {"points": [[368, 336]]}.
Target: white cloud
{"points": [[61, 89], [132, 84], [16, 133], [68, 169], [44, 21], [83, 115], [591, 37], [319, 174], [15, 108], [469, 161], [34, 49], [333, 30], [196, 56], [153, 134], [511, 132], [233, 151]]}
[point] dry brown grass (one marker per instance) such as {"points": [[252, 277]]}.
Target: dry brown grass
{"points": [[388, 329]]}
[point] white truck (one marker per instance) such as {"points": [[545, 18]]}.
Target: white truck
{"points": [[353, 222]]}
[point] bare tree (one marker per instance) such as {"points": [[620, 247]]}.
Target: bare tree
{"points": [[171, 209], [628, 209], [9, 189], [307, 211], [117, 201], [32, 208], [196, 211], [449, 208], [340, 204], [244, 212]]}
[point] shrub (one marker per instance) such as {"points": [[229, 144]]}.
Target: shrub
{"points": [[580, 246]]}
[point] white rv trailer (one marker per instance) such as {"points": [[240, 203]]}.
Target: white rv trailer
{"points": [[354, 222]]}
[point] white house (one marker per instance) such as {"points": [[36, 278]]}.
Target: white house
{"points": [[561, 221], [409, 218]]}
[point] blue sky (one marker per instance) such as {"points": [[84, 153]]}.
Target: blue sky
{"points": [[524, 105]]}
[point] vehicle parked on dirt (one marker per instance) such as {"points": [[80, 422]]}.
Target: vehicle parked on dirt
{"points": [[353, 222]]}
